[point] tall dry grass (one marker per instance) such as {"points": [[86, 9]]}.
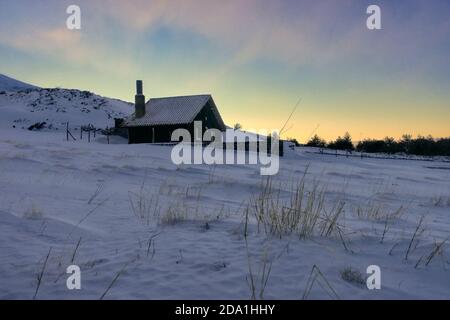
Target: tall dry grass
{"points": [[305, 213]]}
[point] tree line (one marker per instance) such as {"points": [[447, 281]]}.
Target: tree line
{"points": [[421, 145]]}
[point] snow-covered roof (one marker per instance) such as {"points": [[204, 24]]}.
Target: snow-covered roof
{"points": [[172, 110]]}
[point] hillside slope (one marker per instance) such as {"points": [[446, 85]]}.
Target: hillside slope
{"points": [[10, 84], [55, 107]]}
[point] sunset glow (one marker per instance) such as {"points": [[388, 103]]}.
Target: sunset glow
{"points": [[257, 58]]}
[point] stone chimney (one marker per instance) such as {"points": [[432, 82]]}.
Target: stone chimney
{"points": [[139, 100]]}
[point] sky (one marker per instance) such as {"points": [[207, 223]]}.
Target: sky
{"points": [[256, 57]]}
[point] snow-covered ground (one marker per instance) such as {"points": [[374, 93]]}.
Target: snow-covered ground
{"points": [[357, 154], [139, 226]]}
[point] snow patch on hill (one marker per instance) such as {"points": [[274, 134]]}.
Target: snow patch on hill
{"points": [[56, 107], [10, 84]]}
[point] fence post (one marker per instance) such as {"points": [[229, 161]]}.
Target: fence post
{"points": [[69, 133], [107, 134], [89, 133], [281, 148]]}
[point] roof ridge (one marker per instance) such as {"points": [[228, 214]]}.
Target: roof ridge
{"points": [[185, 96]]}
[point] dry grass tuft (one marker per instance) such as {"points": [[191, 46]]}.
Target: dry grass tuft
{"points": [[144, 205], [415, 237], [376, 211], [175, 213], [304, 214], [316, 276], [33, 213], [438, 250], [441, 201], [353, 276], [257, 281]]}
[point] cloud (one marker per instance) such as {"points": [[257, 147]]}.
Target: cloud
{"points": [[250, 28], [70, 46], [58, 41], [292, 32], [296, 33]]}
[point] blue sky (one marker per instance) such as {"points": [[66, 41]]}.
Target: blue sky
{"points": [[255, 57]]}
